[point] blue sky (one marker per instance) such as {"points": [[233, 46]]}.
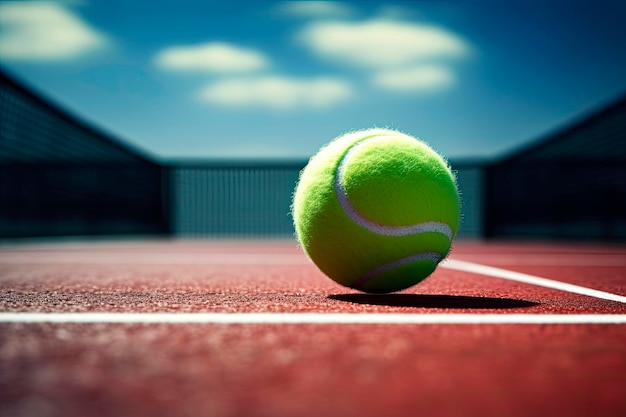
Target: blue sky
{"points": [[257, 79]]}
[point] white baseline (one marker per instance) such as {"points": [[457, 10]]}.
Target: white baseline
{"points": [[309, 318]]}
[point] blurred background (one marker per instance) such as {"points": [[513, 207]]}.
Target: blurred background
{"points": [[147, 118]]}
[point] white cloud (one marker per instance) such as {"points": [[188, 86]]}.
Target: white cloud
{"points": [[279, 93], [315, 9], [380, 43], [45, 31], [214, 57], [420, 78]]}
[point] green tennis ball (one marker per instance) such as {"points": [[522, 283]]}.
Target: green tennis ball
{"points": [[376, 210]]}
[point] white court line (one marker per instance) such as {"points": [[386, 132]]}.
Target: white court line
{"points": [[310, 318], [529, 279]]}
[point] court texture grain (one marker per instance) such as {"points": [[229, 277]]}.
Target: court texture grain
{"points": [[252, 328]]}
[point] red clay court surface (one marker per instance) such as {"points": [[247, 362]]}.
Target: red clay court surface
{"points": [[251, 328]]}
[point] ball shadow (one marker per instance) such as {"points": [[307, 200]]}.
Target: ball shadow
{"points": [[433, 301]]}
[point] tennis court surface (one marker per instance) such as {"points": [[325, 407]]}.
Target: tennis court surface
{"points": [[168, 326], [252, 328]]}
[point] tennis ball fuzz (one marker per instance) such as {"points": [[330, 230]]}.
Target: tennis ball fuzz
{"points": [[376, 210]]}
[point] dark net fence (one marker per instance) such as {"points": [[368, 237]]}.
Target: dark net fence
{"points": [[60, 177], [233, 200], [570, 186], [252, 200]]}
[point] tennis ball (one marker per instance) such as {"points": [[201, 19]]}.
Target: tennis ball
{"points": [[376, 210]]}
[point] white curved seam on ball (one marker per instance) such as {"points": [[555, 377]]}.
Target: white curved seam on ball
{"points": [[358, 218], [423, 256]]}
